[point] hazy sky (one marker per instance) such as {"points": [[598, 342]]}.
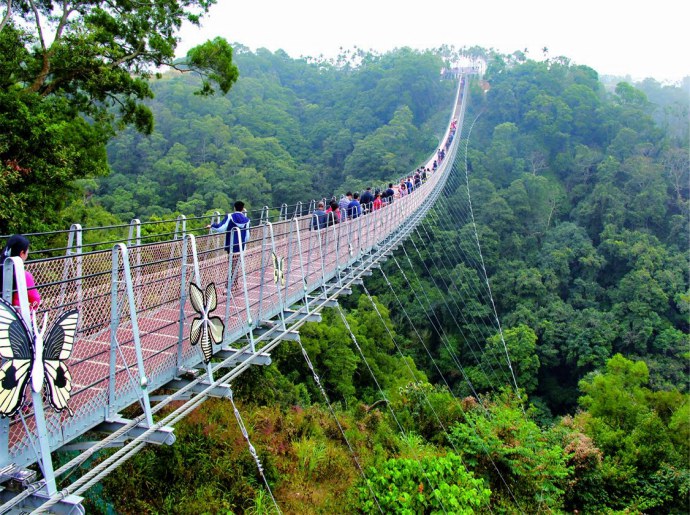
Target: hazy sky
{"points": [[617, 37]]}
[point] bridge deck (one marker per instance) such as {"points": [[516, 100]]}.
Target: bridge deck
{"points": [[154, 279], [311, 257]]}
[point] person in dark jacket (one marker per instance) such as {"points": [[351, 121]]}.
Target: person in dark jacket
{"points": [[228, 223], [389, 194], [366, 199], [318, 218], [236, 220]]}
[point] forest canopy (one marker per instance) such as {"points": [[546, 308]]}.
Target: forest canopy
{"points": [[289, 131], [580, 193], [581, 203]]}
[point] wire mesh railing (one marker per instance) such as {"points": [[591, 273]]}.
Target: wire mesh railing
{"points": [[135, 314]]}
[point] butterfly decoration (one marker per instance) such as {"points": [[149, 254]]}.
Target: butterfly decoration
{"points": [[33, 354], [278, 274], [206, 330]]}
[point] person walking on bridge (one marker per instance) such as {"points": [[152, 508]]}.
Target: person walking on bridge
{"points": [[18, 246], [377, 203], [354, 209], [333, 213], [235, 239], [389, 194], [344, 204], [366, 199], [318, 218], [237, 219]]}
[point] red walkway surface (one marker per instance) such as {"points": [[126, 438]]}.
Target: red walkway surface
{"points": [[156, 276]]}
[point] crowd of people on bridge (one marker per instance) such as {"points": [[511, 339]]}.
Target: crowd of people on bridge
{"points": [[441, 153], [355, 204], [235, 225]]}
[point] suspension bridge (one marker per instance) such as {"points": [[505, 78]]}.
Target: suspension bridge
{"points": [[142, 307]]}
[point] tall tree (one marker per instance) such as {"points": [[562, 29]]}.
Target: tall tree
{"points": [[74, 72]]}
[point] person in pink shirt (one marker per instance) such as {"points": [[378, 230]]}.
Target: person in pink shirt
{"points": [[18, 245]]}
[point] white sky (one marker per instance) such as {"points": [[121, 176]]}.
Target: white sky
{"points": [[615, 37]]}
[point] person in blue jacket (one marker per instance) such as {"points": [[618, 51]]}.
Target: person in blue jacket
{"points": [[318, 218], [354, 209], [228, 223]]}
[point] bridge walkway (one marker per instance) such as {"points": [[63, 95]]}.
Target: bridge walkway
{"points": [[135, 315]]}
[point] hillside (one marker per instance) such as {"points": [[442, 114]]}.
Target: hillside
{"points": [[580, 200]]}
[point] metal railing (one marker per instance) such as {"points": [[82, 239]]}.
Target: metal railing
{"points": [[135, 316]]}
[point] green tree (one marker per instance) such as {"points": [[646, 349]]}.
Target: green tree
{"points": [[73, 73], [568, 254], [434, 485], [525, 465], [645, 461], [519, 343], [392, 147]]}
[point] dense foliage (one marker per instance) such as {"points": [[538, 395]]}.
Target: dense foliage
{"points": [[71, 73], [589, 215], [289, 131], [580, 202]]}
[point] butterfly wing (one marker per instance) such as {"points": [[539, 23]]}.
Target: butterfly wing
{"points": [[17, 349], [58, 344], [57, 348], [216, 329], [211, 297], [59, 381], [205, 331], [195, 331], [282, 272], [196, 296], [278, 274], [276, 267], [206, 345]]}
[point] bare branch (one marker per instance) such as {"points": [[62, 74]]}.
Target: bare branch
{"points": [[130, 57], [178, 69], [45, 67], [115, 99], [39, 28], [538, 162], [6, 18], [66, 11], [553, 209]]}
